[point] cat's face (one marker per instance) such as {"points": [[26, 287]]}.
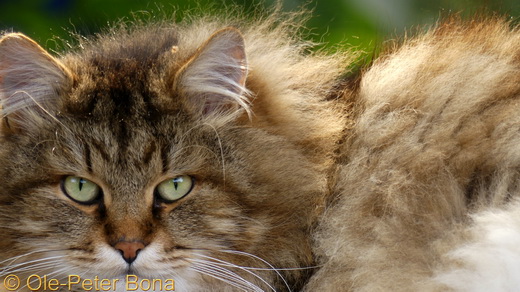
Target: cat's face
{"points": [[116, 164]]}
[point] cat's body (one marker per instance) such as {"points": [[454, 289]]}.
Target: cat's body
{"points": [[429, 168], [284, 177]]}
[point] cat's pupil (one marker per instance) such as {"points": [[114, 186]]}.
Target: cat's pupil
{"points": [[81, 183], [176, 182]]}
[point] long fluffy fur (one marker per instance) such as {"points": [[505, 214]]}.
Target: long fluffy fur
{"points": [[490, 259], [436, 140], [405, 181], [127, 119]]}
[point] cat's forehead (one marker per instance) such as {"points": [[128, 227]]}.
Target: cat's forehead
{"points": [[125, 76], [127, 147], [122, 100], [113, 87]]}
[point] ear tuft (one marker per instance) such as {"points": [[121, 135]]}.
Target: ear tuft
{"points": [[29, 80], [213, 80]]}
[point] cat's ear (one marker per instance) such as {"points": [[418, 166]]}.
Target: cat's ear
{"points": [[29, 80], [213, 80]]}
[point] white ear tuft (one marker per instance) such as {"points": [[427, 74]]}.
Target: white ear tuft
{"points": [[214, 79], [29, 79]]}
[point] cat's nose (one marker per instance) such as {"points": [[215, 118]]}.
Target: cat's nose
{"points": [[129, 249]]}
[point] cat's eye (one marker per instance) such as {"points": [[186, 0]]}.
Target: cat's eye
{"points": [[175, 188], [81, 190]]}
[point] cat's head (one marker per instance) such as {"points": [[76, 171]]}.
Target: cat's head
{"points": [[142, 157]]}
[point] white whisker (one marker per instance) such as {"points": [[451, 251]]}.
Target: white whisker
{"points": [[211, 273], [277, 269], [226, 273], [262, 260], [24, 267], [39, 105], [224, 263], [211, 265], [221, 153], [11, 266], [221, 263], [13, 259], [31, 265]]}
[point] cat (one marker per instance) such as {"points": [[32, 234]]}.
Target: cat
{"points": [[165, 151], [221, 154]]}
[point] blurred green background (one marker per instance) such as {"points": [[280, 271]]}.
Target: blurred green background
{"points": [[359, 23]]}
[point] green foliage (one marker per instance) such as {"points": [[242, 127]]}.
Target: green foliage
{"points": [[354, 23]]}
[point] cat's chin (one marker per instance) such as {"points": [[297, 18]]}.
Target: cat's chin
{"points": [[171, 280], [133, 280]]}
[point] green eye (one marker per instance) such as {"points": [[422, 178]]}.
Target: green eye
{"points": [[81, 190], [174, 188]]}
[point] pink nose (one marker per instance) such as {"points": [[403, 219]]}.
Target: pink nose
{"points": [[129, 249]]}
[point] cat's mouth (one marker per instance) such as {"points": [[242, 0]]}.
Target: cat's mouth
{"points": [[132, 274], [130, 271]]}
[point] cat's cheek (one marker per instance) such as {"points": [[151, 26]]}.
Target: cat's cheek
{"points": [[43, 211], [153, 261]]}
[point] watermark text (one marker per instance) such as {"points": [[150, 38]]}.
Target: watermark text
{"points": [[73, 282]]}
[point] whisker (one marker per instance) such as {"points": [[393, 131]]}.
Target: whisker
{"points": [[226, 264], [41, 142], [226, 274], [38, 104], [32, 261], [228, 281], [221, 263], [13, 259], [221, 153], [56, 272], [199, 146], [30, 265], [233, 274], [185, 134], [262, 260], [26, 267]]}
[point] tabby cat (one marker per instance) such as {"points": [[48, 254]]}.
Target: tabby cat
{"points": [[220, 154]]}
